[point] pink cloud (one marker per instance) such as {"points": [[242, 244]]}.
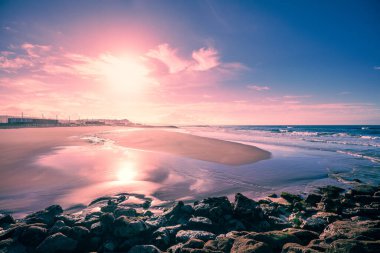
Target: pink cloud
{"points": [[206, 58]]}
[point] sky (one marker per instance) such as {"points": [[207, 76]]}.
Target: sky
{"points": [[192, 62]]}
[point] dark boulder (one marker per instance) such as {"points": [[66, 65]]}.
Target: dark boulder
{"points": [[221, 243], [194, 244], [247, 210], [314, 224], [57, 243], [200, 223], [33, 235], [274, 239], [46, 216], [6, 220], [291, 198], [296, 248], [124, 227], [305, 236]]}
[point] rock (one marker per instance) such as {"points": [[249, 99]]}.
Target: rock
{"points": [[175, 248], [124, 227], [273, 195], [109, 245], [200, 223], [278, 223], [328, 204], [6, 220], [361, 211], [165, 236], [314, 224], [79, 233], [12, 246], [46, 216], [363, 189], [97, 229], [313, 199], [194, 244], [353, 246], [175, 214], [106, 221], [247, 210], [125, 211], [213, 208], [291, 198], [128, 243], [144, 249], [244, 245], [223, 244], [348, 229], [57, 243], [185, 235], [296, 248], [305, 236], [274, 239], [331, 191], [33, 235], [327, 216]]}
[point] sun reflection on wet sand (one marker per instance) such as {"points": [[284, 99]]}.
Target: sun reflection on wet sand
{"points": [[127, 172]]}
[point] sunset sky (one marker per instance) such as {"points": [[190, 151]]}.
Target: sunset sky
{"points": [[192, 62]]}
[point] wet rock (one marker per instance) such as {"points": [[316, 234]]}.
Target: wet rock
{"points": [[194, 244], [221, 243], [79, 233], [200, 223], [361, 211], [348, 229], [97, 229], [213, 208], [176, 248], [273, 195], [328, 204], [144, 249], [275, 239], [165, 236], [353, 246], [46, 216], [296, 248], [57, 243], [313, 199], [33, 235], [291, 198], [124, 227], [12, 246], [363, 189], [176, 215], [125, 211], [128, 243], [185, 235], [6, 220], [314, 224], [331, 191], [327, 216], [106, 221], [305, 236], [110, 207], [247, 210], [278, 223], [109, 246], [244, 245]]}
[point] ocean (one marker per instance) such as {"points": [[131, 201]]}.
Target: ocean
{"points": [[350, 152]]}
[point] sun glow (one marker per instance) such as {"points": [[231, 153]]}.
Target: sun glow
{"points": [[124, 73], [127, 173]]}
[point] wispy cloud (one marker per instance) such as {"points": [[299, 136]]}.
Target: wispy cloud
{"points": [[344, 93], [376, 68], [258, 87]]}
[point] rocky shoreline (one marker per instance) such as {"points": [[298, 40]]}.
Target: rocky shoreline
{"points": [[330, 220]]}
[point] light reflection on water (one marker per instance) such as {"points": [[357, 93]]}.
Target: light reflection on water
{"points": [[75, 175]]}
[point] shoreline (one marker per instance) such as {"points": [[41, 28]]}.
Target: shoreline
{"points": [[328, 220]]}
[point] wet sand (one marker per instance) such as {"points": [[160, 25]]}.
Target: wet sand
{"points": [[191, 146]]}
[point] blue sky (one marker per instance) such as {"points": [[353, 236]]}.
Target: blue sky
{"points": [[313, 52]]}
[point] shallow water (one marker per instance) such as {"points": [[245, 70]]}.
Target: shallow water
{"points": [[76, 175]]}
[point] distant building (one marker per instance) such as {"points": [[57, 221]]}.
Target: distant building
{"points": [[31, 121]]}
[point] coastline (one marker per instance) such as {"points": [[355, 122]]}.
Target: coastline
{"points": [[329, 220]]}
